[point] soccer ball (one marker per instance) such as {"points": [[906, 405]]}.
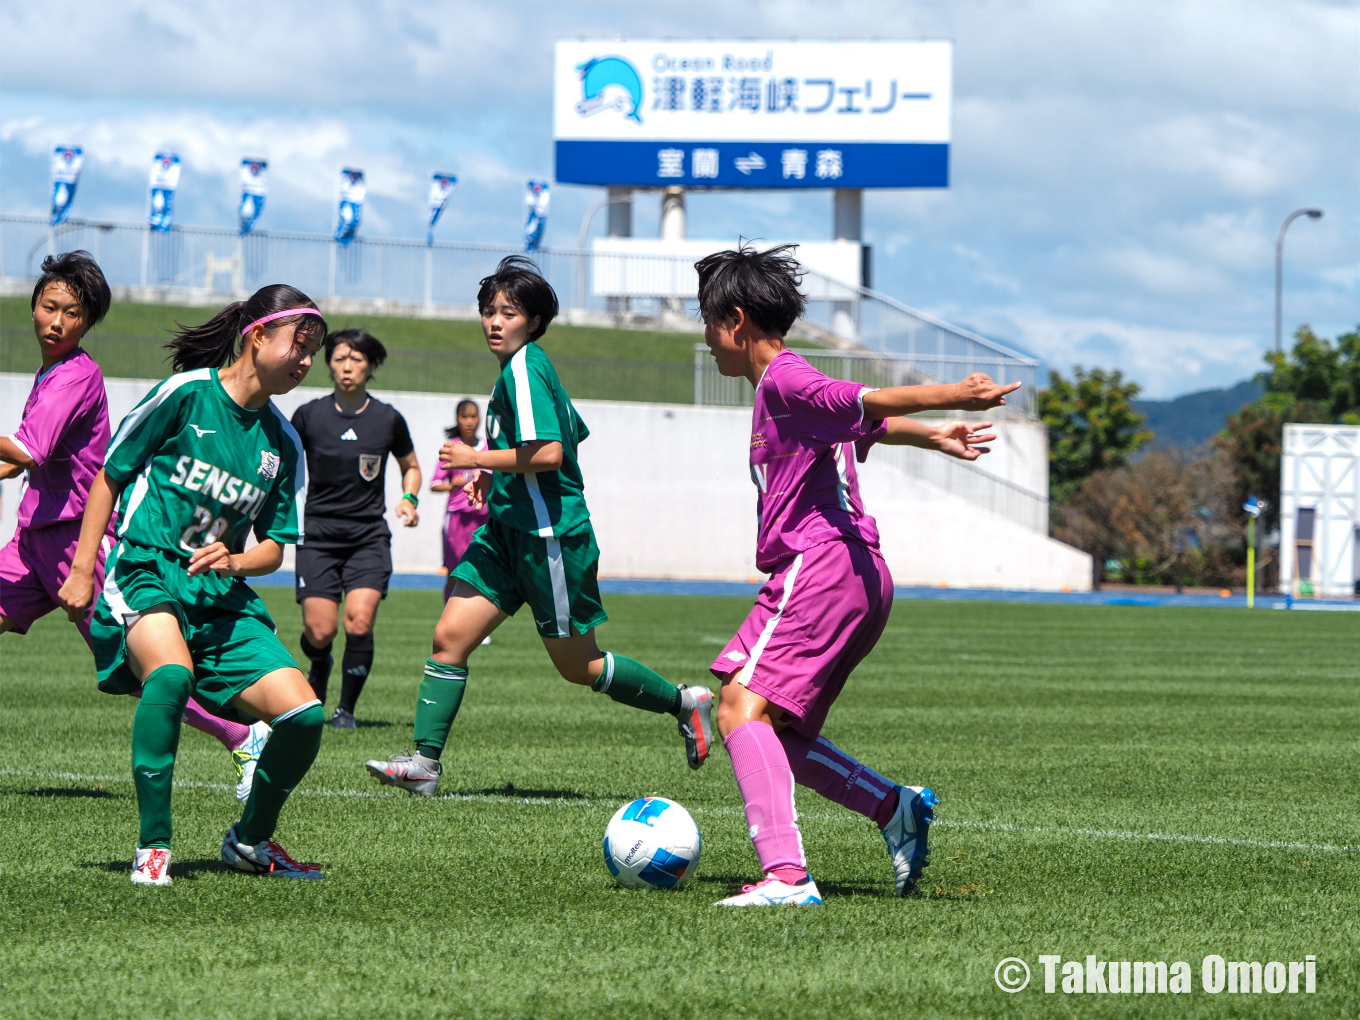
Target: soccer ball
{"points": [[652, 842]]}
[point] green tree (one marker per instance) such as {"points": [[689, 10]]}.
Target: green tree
{"points": [[1092, 426], [1316, 381]]}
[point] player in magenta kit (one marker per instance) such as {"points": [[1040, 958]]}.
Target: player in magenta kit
{"points": [[61, 445], [829, 593], [461, 518]]}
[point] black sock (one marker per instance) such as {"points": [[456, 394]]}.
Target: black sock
{"points": [[355, 665], [319, 675]]}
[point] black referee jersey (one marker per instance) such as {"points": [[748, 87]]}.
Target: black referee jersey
{"points": [[346, 468]]}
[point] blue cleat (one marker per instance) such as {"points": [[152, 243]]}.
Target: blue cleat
{"points": [[906, 835]]}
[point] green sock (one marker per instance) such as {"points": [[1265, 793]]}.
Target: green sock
{"points": [[285, 760], [441, 695], [155, 739], [629, 682]]}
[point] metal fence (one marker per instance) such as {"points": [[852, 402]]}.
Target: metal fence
{"points": [[410, 277]]}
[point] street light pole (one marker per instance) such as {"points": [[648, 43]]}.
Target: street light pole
{"points": [[1312, 214], [581, 242]]}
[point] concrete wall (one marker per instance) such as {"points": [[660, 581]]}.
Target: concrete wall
{"points": [[671, 496]]}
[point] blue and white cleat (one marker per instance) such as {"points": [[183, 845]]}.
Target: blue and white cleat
{"points": [[246, 756], [772, 892], [267, 858], [906, 835]]}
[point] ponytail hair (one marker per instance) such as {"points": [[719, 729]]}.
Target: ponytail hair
{"points": [[219, 341]]}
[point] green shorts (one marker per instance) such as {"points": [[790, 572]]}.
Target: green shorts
{"points": [[229, 632], [556, 576]]}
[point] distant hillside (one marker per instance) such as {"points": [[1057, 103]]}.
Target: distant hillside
{"points": [[1193, 419]]}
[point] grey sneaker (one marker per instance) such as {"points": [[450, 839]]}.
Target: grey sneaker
{"points": [[906, 835], [696, 723], [413, 773], [342, 720]]}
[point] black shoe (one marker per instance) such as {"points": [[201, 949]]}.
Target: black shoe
{"points": [[343, 720]]}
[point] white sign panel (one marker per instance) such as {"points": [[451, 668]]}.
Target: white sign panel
{"points": [[652, 113]]}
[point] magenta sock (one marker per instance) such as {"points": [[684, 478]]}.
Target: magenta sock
{"points": [[822, 766], [766, 784], [231, 734]]}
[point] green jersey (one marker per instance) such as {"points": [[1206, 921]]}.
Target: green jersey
{"points": [[196, 468], [529, 403]]}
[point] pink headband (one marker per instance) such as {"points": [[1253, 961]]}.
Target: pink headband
{"points": [[280, 315]]}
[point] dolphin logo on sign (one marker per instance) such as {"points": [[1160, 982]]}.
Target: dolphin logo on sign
{"points": [[609, 83]]}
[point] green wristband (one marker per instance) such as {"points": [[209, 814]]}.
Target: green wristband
{"points": [[412, 497]]}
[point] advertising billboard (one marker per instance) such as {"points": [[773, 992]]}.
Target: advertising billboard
{"points": [[655, 113]]}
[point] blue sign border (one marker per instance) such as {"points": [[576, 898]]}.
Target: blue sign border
{"points": [[753, 164]]}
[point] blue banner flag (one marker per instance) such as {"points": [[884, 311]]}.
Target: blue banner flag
{"points": [[254, 187], [536, 195], [66, 163], [441, 187], [164, 181], [352, 191]]}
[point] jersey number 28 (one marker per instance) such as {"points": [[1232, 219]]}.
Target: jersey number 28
{"points": [[204, 524]]}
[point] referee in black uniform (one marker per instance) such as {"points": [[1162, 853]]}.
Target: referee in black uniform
{"points": [[345, 551]]}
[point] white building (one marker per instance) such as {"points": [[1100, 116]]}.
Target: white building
{"points": [[1320, 510]]}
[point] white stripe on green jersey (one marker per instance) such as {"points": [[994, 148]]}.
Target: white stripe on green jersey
{"points": [[528, 404], [206, 469]]}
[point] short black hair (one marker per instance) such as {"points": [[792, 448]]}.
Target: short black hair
{"points": [[362, 341], [451, 431], [81, 273], [519, 279], [763, 284]]}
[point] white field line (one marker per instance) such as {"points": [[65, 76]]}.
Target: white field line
{"points": [[944, 823]]}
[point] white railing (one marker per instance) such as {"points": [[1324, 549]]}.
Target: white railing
{"points": [[410, 277]]}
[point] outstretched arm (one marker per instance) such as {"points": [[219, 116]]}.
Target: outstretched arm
{"points": [[77, 592], [962, 439], [976, 393], [526, 459]]}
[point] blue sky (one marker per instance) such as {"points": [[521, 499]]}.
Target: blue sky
{"points": [[1119, 170]]}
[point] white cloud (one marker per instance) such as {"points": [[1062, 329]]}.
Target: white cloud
{"points": [[1119, 169]]}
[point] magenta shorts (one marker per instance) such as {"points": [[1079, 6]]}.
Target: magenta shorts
{"points": [[34, 566], [815, 620], [458, 535]]}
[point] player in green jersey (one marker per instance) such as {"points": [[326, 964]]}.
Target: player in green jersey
{"points": [[536, 548], [197, 466]]}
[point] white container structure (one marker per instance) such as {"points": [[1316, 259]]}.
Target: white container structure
{"points": [[1320, 511]]}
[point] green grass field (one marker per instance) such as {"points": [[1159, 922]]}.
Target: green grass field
{"points": [[1138, 784]]}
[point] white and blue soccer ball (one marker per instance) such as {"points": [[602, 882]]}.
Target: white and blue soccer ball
{"points": [[652, 843]]}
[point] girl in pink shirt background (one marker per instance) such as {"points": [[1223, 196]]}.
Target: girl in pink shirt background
{"points": [[461, 518]]}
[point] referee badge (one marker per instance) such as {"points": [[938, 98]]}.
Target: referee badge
{"points": [[369, 466]]}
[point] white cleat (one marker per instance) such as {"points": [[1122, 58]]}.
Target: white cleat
{"points": [[267, 858], [151, 866], [246, 756], [772, 892], [413, 773], [906, 835]]}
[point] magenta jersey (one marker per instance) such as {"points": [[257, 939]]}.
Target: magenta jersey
{"points": [[65, 431], [458, 501], [806, 432]]}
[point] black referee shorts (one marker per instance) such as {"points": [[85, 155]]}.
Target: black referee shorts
{"points": [[328, 572]]}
